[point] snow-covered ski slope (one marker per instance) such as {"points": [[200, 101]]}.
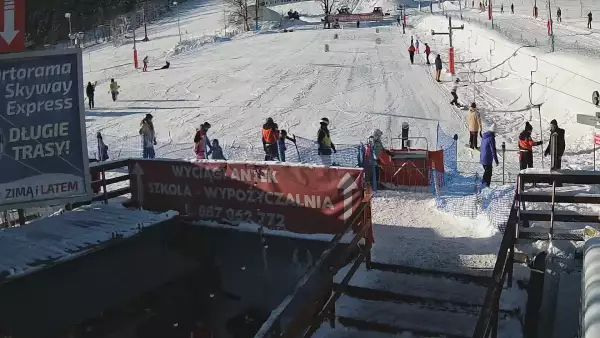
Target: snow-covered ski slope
{"points": [[235, 85]]}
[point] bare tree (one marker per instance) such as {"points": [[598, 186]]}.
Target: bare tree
{"points": [[238, 13], [327, 6]]}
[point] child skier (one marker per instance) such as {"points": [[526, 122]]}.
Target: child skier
{"points": [[417, 46], [488, 154], [427, 52], [281, 148], [411, 53], [454, 91], [145, 61], [216, 151], [526, 145]]}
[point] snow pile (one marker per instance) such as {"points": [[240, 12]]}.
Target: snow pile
{"points": [[194, 44]]}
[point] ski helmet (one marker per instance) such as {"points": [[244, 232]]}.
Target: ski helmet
{"points": [[324, 121]]}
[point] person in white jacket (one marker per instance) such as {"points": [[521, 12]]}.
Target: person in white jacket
{"points": [[148, 136]]}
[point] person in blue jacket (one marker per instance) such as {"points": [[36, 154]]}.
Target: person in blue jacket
{"points": [[488, 154]]}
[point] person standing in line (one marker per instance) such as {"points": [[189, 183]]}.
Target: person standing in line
{"points": [[148, 136], [326, 146], [526, 145], [560, 144], [488, 154], [201, 142], [417, 45], [589, 25], [474, 124], [114, 89], [438, 68], [270, 134], [378, 149], [102, 148], [512, 8], [411, 53], [281, 148], [427, 52], [90, 89]]}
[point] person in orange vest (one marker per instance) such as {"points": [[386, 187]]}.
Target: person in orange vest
{"points": [[411, 53], [270, 134], [526, 145], [201, 142]]}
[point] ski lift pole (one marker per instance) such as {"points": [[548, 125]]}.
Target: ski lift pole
{"points": [[451, 49]]}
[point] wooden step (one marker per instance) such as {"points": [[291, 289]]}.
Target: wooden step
{"points": [[561, 197], [477, 276], [536, 175], [559, 216], [538, 233]]}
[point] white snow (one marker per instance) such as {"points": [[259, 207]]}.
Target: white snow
{"points": [[69, 235]]}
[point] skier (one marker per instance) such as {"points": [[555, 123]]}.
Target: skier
{"points": [[216, 151], [535, 12], [453, 91], [166, 66], [589, 25], [488, 154], [427, 52], [281, 148], [201, 142], [89, 91], [269, 139], [502, 8], [559, 15], [398, 20], [378, 148], [473, 4], [560, 144], [148, 136], [102, 148], [324, 140], [526, 145], [145, 61], [357, 23], [438, 68], [474, 124], [411, 53], [412, 41], [512, 8], [417, 46], [114, 89]]}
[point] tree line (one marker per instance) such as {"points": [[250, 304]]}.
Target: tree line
{"points": [[46, 23]]}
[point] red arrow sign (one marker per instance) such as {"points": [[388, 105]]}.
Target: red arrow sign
{"points": [[12, 26], [597, 139]]}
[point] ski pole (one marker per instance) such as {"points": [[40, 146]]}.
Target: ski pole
{"points": [[297, 151]]}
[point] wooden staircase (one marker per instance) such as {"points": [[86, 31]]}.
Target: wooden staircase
{"points": [[542, 195]]}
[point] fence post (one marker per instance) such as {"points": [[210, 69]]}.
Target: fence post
{"points": [[553, 150], [503, 161], [373, 165], [104, 186]]}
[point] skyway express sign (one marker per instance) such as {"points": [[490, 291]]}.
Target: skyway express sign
{"points": [[288, 197]]}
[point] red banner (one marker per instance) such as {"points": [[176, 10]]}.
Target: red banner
{"points": [[279, 196], [12, 25]]}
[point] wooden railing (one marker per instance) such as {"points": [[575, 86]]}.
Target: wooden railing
{"points": [[302, 312], [103, 185], [487, 322]]}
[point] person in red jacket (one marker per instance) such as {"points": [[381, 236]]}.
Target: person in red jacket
{"points": [[201, 142], [427, 52], [526, 145], [411, 53]]}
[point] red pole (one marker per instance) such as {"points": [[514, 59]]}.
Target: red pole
{"points": [[490, 10], [404, 19], [135, 59], [451, 60], [548, 27]]}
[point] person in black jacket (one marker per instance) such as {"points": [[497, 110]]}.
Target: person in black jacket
{"points": [[438, 68], [560, 144], [89, 92]]}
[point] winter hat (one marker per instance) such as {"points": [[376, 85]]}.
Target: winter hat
{"points": [[492, 128], [528, 126], [148, 117], [473, 105], [270, 120], [377, 134], [206, 124], [324, 121], [554, 123], [457, 80]]}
